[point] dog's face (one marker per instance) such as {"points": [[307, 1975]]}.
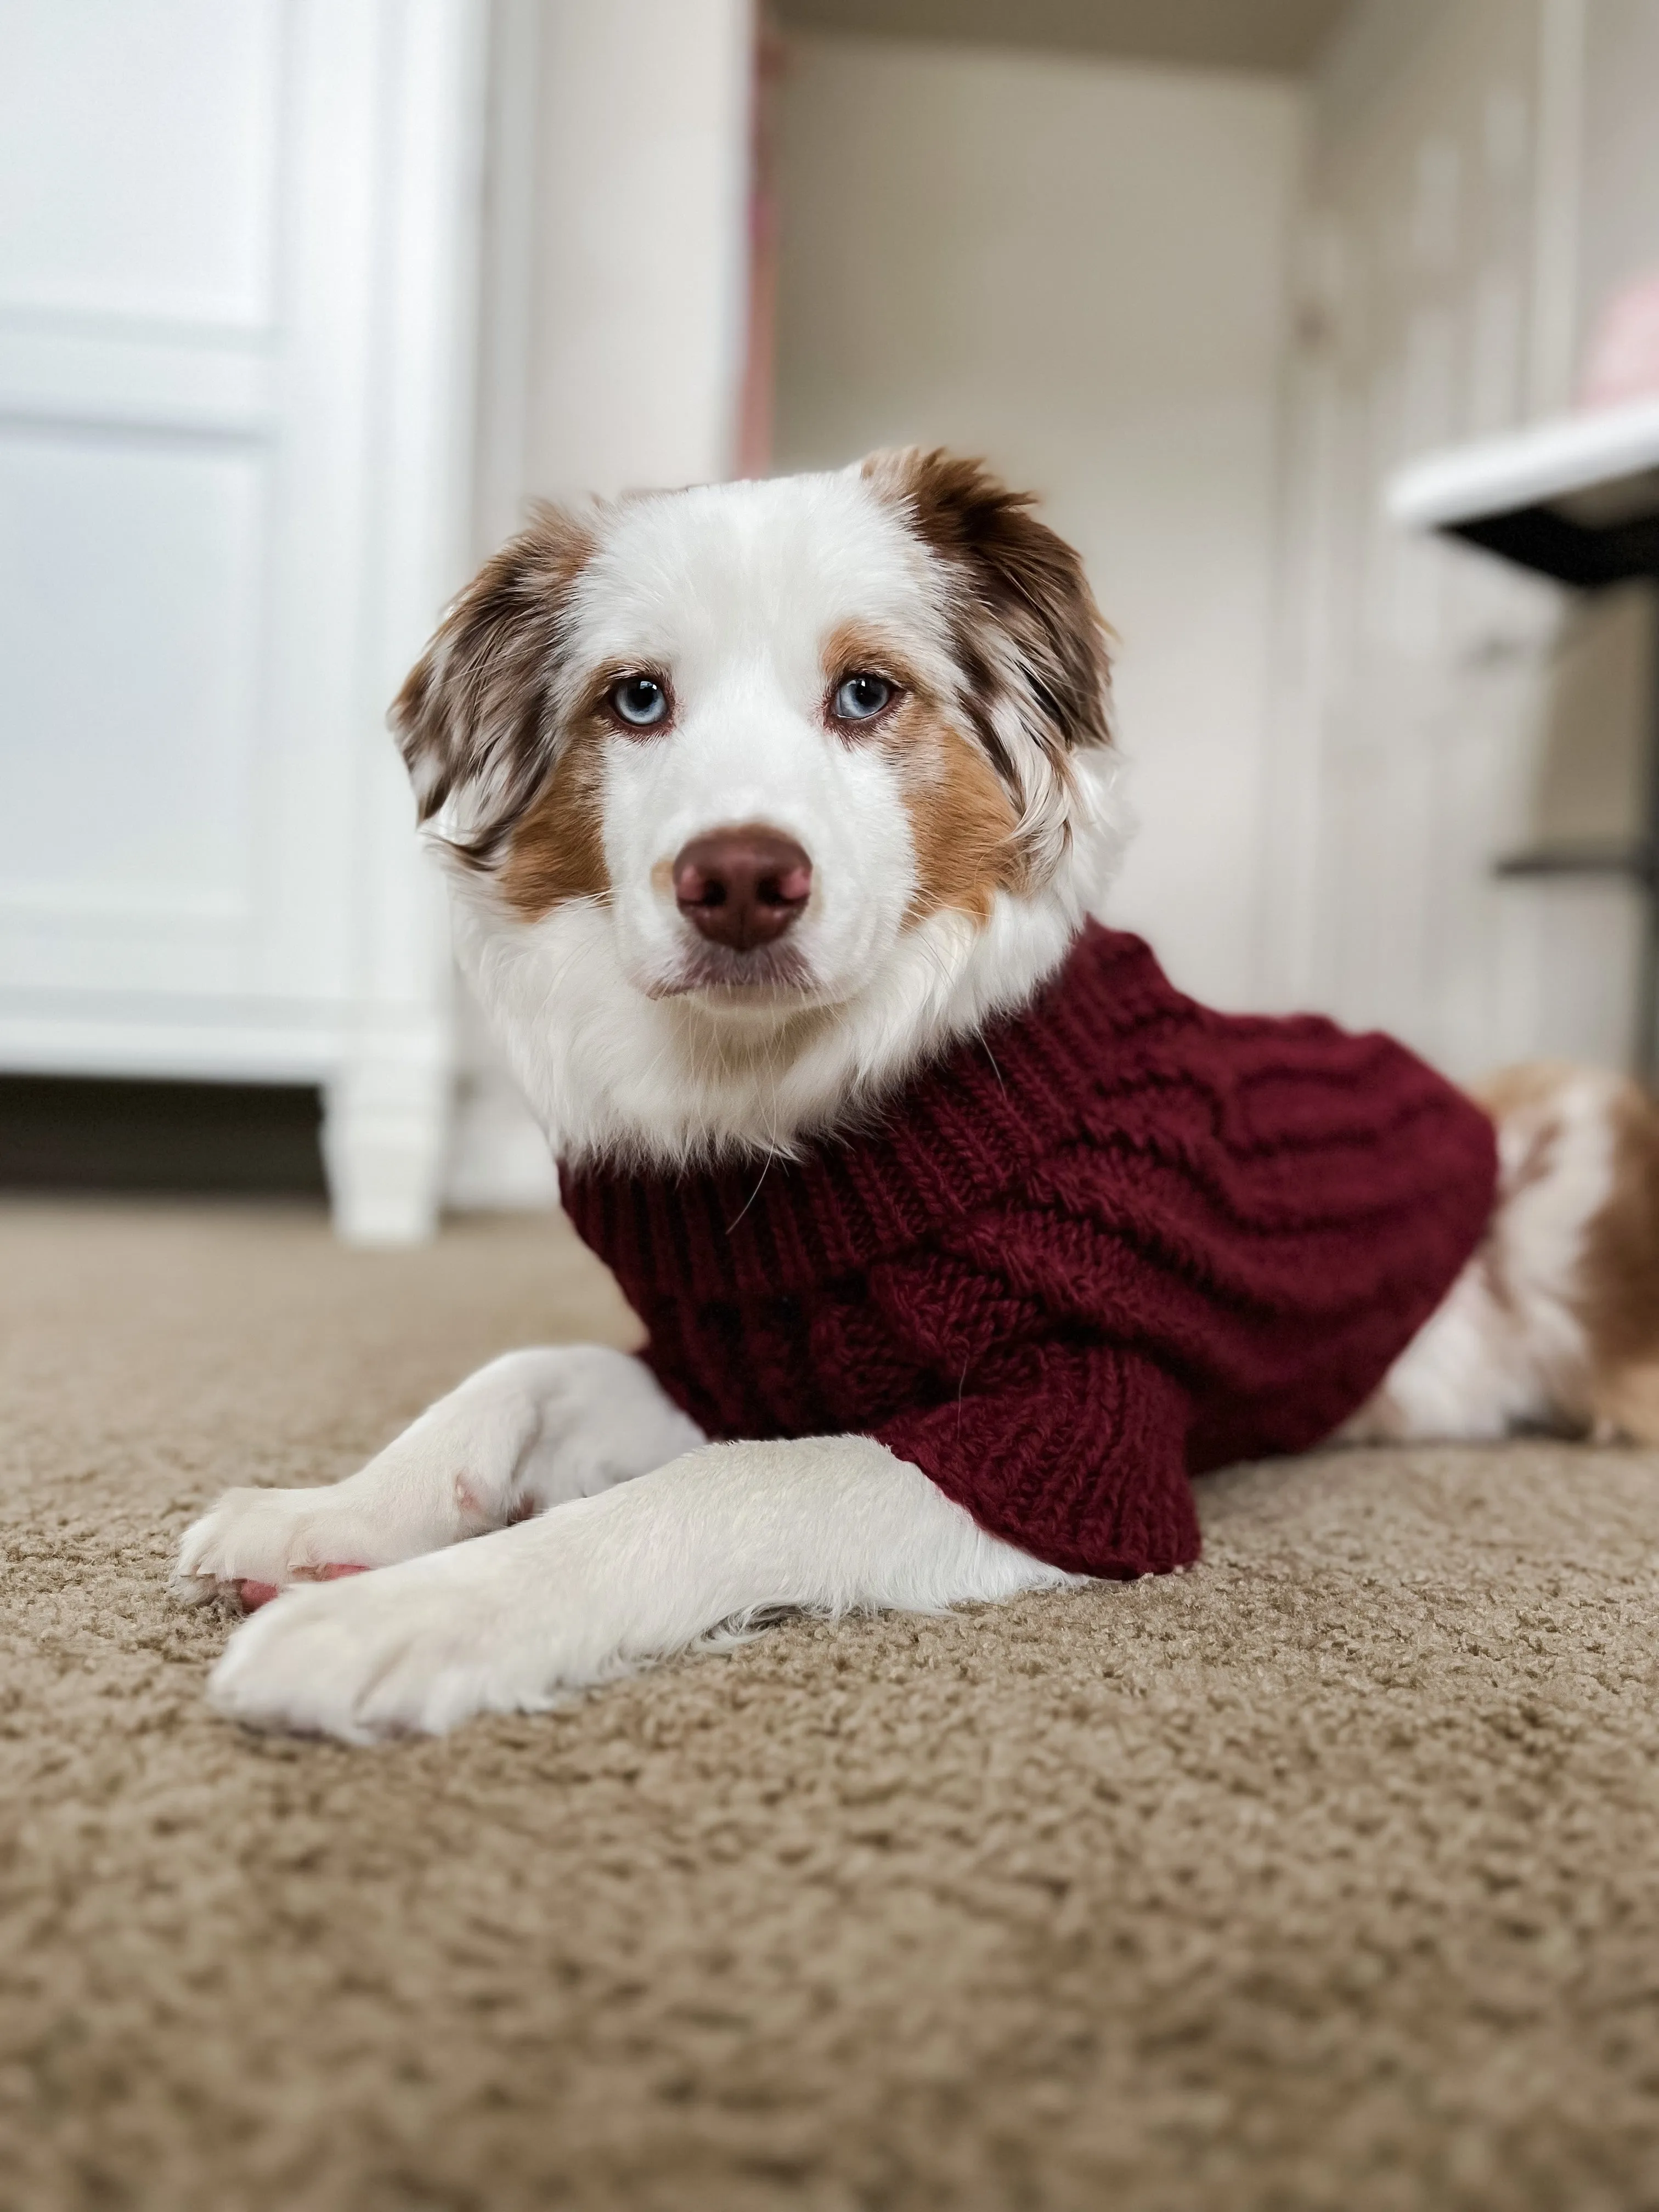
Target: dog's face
{"points": [[768, 739]]}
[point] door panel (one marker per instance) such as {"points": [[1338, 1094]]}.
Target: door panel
{"points": [[129, 600], [138, 158], [187, 288]]}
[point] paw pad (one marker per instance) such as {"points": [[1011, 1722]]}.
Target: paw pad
{"points": [[254, 1595]]}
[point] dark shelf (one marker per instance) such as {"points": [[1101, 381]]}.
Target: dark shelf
{"points": [[1540, 538], [1633, 862]]}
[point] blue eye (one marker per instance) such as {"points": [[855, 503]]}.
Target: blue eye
{"points": [[641, 701], [859, 697]]}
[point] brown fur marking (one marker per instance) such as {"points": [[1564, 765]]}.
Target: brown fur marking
{"points": [[1616, 1296], [555, 850], [1620, 1274], [476, 706], [962, 824]]}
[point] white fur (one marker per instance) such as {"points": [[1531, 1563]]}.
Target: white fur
{"points": [[511, 1622], [1505, 1349], [648, 1538], [531, 1430]]}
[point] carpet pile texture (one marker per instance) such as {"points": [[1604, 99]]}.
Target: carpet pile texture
{"points": [[1325, 1875]]}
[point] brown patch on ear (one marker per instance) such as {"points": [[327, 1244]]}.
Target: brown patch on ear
{"points": [[555, 850], [962, 823], [476, 709], [1015, 575]]}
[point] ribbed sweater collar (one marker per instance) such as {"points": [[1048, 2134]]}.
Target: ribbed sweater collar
{"points": [[958, 1135]]}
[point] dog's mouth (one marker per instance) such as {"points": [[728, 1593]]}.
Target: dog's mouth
{"points": [[763, 977]]}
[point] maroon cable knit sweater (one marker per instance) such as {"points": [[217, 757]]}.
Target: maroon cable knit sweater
{"points": [[1118, 1239]]}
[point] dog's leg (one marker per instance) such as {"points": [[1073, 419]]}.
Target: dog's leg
{"points": [[600, 1585], [531, 1430]]}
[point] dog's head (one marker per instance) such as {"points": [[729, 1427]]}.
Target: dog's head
{"points": [[797, 774]]}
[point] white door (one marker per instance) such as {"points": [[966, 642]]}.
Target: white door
{"points": [[235, 334]]}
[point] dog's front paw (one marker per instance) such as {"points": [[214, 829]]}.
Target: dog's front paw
{"points": [[411, 1650], [256, 1543]]}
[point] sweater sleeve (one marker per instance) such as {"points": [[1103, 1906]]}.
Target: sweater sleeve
{"points": [[1077, 1454]]}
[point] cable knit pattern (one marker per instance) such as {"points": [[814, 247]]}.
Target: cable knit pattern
{"points": [[1117, 1240]]}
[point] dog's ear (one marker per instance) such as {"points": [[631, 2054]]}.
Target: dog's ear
{"points": [[1022, 609], [476, 715]]}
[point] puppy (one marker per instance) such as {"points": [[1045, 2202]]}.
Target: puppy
{"points": [[776, 815]]}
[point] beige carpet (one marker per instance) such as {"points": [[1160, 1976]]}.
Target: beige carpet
{"points": [[1325, 1875]]}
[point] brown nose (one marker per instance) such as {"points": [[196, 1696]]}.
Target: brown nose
{"points": [[742, 887]]}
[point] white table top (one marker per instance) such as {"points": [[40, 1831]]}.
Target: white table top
{"points": [[1612, 454]]}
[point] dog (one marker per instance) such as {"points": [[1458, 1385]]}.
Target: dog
{"points": [[775, 815]]}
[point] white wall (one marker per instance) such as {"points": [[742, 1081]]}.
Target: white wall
{"points": [[616, 268], [1077, 269], [1618, 224]]}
